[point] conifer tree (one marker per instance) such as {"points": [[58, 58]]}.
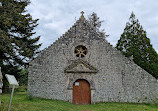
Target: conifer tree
{"points": [[93, 19], [17, 46], [134, 42]]}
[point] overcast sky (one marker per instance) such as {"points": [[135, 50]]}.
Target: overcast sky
{"points": [[57, 16]]}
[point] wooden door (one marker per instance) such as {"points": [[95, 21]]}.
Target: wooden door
{"points": [[81, 92]]}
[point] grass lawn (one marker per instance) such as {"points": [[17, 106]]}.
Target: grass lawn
{"points": [[22, 103]]}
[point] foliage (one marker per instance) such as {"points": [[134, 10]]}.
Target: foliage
{"points": [[93, 19], [17, 44], [23, 77], [20, 102], [134, 42]]}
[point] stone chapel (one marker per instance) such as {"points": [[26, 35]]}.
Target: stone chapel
{"points": [[82, 68]]}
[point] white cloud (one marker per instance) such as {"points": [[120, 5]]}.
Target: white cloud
{"points": [[57, 16]]}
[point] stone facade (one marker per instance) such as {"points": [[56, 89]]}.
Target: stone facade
{"points": [[112, 76], [1, 82]]}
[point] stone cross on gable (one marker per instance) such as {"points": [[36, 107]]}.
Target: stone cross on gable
{"points": [[82, 13], [82, 16]]}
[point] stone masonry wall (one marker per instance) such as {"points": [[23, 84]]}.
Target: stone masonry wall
{"points": [[118, 78]]}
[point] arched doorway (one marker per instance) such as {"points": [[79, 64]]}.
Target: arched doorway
{"points": [[81, 92]]}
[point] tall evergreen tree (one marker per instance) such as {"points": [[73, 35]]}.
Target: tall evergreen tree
{"points": [[134, 42], [93, 19], [17, 46]]}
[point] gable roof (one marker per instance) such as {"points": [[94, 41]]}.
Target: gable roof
{"points": [[80, 29]]}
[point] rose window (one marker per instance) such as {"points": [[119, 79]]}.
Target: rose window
{"points": [[81, 51]]}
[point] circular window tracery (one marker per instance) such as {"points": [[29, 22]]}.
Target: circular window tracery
{"points": [[80, 51]]}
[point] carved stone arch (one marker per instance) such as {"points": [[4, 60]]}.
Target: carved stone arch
{"points": [[72, 80]]}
